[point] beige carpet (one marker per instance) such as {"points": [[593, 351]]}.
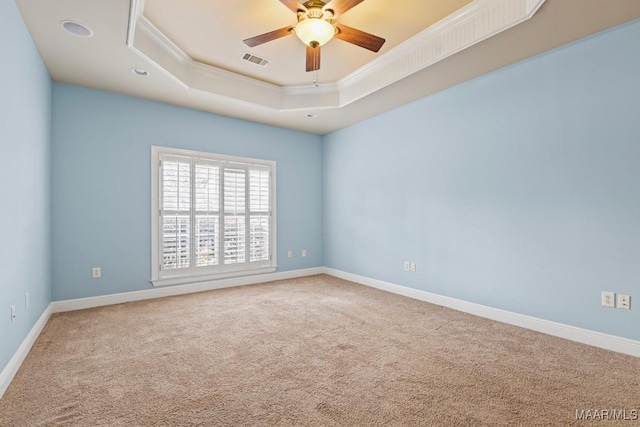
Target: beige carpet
{"points": [[314, 351]]}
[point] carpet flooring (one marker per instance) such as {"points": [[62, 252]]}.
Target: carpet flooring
{"points": [[316, 351]]}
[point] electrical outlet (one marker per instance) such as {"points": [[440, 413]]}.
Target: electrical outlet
{"points": [[26, 300], [406, 266], [608, 299], [413, 267], [304, 253], [96, 272], [624, 302], [13, 313], [290, 254]]}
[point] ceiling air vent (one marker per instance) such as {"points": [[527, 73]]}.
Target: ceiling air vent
{"points": [[255, 59]]}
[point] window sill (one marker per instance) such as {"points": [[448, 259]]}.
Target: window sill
{"points": [[170, 281]]}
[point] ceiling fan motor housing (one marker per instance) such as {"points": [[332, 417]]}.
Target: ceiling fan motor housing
{"points": [[314, 4]]}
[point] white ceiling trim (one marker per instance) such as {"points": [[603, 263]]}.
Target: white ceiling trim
{"points": [[473, 23]]}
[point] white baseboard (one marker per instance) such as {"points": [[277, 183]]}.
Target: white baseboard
{"points": [[99, 301], [572, 333], [9, 371]]}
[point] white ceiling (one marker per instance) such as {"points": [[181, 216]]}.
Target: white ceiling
{"points": [[198, 27], [212, 31]]}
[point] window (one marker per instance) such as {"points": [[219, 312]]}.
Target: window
{"points": [[213, 216]]}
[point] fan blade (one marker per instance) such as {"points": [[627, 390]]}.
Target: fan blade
{"points": [[267, 37], [293, 5], [341, 6], [359, 38], [313, 58]]}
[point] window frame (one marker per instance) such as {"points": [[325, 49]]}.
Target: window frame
{"points": [[161, 277]]}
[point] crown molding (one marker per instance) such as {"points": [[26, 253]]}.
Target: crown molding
{"points": [[466, 27]]}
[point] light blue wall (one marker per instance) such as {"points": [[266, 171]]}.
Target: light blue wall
{"points": [[101, 178], [25, 129], [519, 190]]}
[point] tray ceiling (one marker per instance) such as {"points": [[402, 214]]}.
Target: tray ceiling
{"points": [[212, 33], [191, 49]]}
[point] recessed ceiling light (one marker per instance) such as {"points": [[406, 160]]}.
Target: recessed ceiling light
{"points": [[77, 28], [311, 116], [140, 71]]}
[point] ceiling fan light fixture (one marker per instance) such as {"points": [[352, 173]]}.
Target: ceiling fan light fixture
{"points": [[315, 32], [315, 29]]}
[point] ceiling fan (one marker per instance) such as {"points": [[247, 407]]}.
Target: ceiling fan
{"points": [[315, 28]]}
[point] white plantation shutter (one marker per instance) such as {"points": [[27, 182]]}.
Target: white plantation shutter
{"points": [[207, 200], [176, 203], [235, 194], [214, 215], [259, 214]]}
